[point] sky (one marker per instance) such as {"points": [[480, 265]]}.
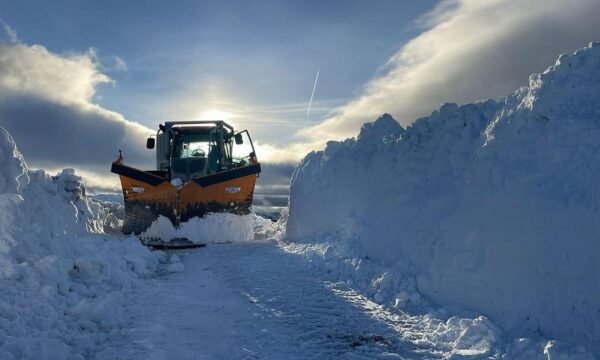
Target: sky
{"points": [[252, 61], [81, 79]]}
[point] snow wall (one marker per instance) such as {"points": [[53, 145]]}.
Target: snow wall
{"points": [[63, 280], [495, 206]]}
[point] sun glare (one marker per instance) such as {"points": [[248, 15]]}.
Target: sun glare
{"points": [[216, 115]]}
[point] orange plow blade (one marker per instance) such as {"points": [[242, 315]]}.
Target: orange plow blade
{"points": [[149, 194]]}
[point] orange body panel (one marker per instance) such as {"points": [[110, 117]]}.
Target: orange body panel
{"points": [[231, 191], [146, 196], [227, 192], [165, 192]]}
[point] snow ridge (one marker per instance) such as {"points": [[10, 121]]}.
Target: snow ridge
{"points": [[493, 206], [63, 281], [14, 171]]}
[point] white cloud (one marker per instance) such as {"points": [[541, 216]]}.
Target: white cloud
{"points": [[46, 102], [10, 33], [120, 64], [34, 71], [473, 50], [283, 154]]}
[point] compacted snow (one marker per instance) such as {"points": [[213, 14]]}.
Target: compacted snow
{"points": [[257, 300], [470, 234]]}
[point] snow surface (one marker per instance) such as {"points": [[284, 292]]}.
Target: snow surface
{"points": [[492, 207], [256, 300], [448, 332], [63, 279]]}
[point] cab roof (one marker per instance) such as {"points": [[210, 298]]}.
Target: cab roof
{"points": [[196, 123]]}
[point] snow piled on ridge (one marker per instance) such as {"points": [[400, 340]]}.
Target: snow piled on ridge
{"points": [[14, 171], [62, 279], [493, 206]]}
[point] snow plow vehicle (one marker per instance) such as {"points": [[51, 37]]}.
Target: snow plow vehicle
{"points": [[202, 167]]}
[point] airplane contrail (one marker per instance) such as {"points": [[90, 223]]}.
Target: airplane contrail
{"points": [[312, 95]]}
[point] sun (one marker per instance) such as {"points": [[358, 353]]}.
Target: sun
{"points": [[216, 115]]}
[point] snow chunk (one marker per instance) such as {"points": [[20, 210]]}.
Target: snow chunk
{"points": [[175, 264], [477, 336], [175, 267], [177, 182]]}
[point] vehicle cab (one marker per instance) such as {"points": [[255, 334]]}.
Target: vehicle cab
{"points": [[192, 149]]}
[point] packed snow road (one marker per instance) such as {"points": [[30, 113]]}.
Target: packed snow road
{"points": [[247, 301]]}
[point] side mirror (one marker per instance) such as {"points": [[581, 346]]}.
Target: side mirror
{"points": [[150, 143], [239, 140]]}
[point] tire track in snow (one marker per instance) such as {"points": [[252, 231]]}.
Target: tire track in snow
{"points": [[327, 320], [257, 301]]}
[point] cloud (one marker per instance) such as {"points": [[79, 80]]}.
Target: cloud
{"points": [[273, 175], [272, 187], [34, 71], [119, 63], [468, 50], [471, 50], [290, 153], [46, 103], [10, 33], [270, 126]]}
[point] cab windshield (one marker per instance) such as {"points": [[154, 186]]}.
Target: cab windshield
{"points": [[191, 146]]}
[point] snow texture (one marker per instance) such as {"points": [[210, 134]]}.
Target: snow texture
{"points": [[493, 207], [257, 300], [211, 229], [63, 279], [14, 171]]}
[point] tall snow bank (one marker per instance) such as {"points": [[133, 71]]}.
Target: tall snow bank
{"points": [[494, 206], [13, 177], [63, 280], [13, 174]]}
